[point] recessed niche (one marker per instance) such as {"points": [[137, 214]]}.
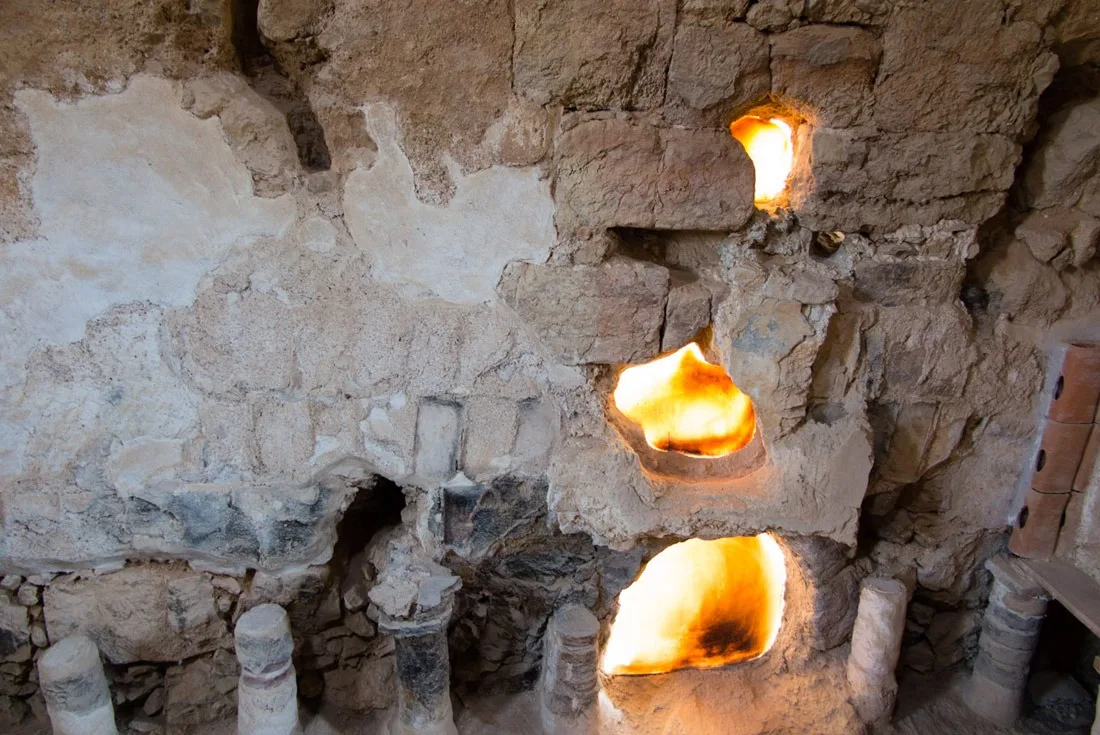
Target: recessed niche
{"points": [[699, 604], [769, 142], [686, 419]]}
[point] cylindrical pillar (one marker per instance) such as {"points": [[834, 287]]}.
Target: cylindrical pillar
{"points": [[423, 671], [267, 695], [876, 645], [568, 683], [1010, 632], [77, 699]]}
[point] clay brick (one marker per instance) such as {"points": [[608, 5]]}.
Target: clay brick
{"points": [[1059, 456], [1077, 390], [1088, 460], [1038, 525]]}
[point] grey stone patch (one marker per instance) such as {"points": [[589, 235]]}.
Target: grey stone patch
{"points": [[14, 629], [438, 439]]}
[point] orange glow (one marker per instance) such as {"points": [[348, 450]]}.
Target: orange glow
{"points": [[699, 604], [768, 143], [685, 404]]}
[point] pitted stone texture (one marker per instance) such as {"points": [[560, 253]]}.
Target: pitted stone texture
{"points": [[985, 80], [14, 630], [828, 70], [564, 52], [686, 313], [140, 613], [610, 313], [75, 688], [1065, 158], [626, 173], [718, 64], [857, 178]]}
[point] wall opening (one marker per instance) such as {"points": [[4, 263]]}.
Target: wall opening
{"points": [[685, 404], [699, 604], [769, 143]]}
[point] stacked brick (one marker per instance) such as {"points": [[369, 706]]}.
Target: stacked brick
{"points": [[1066, 453]]}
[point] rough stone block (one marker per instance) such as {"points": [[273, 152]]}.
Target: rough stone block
{"points": [[140, 613], [1065, 158], [687, 312], [564, 51], [611, 313], [623, 173], [14, 630], [987, 79], [438, 439], [907, 281], [828, 69], [718, 64], [201, 691]]}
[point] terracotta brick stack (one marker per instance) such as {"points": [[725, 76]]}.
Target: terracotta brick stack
{"points": [[1066, 453]]}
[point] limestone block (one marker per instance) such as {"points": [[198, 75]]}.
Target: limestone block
{"points": [[621, 173], [1048, 232], [563, 51], [611, 313], [309, 596], [14, 630], [909, 442], [283, 438], [140, 613], [438, 439], [718, 64], [773, 15], [687, 312], [935, 78], [537, 429], [1065, 157], [923, 352], [859, 12], [895, 282], [201, 691], [363, 688], [829, 69], [714, 9], [285, 20]]}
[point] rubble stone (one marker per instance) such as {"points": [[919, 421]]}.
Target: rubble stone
{"points": [[829, 70], [718, 64]]}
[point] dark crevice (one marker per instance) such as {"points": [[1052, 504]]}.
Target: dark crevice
{"points": [[265, 75], [376, 506]]}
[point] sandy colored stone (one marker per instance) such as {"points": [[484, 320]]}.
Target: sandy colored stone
{"points": [[718, 64], [826, 71], [140, 613], [1065, 158], [563, 52], [593, 314]]}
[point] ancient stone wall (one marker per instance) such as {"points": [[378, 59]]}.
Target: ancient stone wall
{"points": [[254, 258]]}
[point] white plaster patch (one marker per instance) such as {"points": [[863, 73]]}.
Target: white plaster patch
{"points": [[456, 252], [138, 199]]}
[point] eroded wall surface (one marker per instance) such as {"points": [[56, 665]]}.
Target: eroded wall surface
{"points": [[245, 268]]}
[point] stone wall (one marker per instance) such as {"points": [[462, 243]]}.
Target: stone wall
{"points": [[249, 265]]}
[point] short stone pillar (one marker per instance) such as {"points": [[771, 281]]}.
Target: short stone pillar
{"points": [[413, 600], [267, 695], [876, 646], [1010, 632], [568, 683], [77, 698]]}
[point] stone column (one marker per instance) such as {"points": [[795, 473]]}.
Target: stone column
{"points": [[75, 689], [568, 683], [1096, 720], [876, 645], [1010, 632], [413, 599], [267, 695]]}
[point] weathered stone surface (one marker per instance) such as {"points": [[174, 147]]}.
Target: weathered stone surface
{"points": [[687, 312], [457, 251], [610, 313], [202, 691], [1065, 157], [622, 173], [908, 281], [921, 352], [986, 80], [858, 178], [369, 686], [565, 52], [307, 595], [140, 613], [828, 70], [718, 64], [773, 15], [1060, 236], [285, 20], [14, 629], [860, 12]]}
